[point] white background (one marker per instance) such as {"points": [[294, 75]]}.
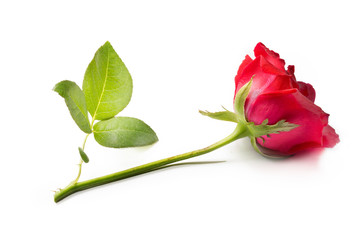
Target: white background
{"points": [[183, 56]]}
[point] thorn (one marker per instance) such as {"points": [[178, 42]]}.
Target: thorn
{"points": [[58, 189]]}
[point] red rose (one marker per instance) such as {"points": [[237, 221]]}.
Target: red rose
{"points": [[276, 95]]}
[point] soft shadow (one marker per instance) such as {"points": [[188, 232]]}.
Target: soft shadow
{"points": [[174, 165], [188, 163], [307, 158], [312, 155]]}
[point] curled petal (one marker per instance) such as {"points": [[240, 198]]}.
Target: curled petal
{"points": [[291, 70], [307, 90], [330, 138]]}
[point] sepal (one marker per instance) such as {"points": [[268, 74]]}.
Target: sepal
{"points": [[250, 129], [222, 115], [265, 130], [239, 107], [265, 152], [258, 131], [240, 99]]}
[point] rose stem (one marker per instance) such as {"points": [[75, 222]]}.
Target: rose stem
{"points": [[239, 132]]}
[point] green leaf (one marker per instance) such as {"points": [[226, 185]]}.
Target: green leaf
{"points": [[83, 155], [107, 84], [121, 132], [240, 98], [75, 101], [265, 129], [222, 115]]}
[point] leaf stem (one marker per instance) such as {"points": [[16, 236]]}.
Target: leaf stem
{"points": [[240, 132], [81, 161]]}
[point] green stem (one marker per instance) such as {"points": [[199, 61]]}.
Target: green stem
{"points": [[240, 131]]}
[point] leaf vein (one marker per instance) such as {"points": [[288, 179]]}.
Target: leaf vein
{"points": [[104, 84], [122, 130]]}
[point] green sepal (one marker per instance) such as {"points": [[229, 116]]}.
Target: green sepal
{"points": [[75, 101], [256, 148], [83, 155], [222, 115], [240, 98], [272, 154], [253, 131], [239, 107], [258, 131], [265, 130]]}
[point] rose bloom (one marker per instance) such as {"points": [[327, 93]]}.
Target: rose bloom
{"points": [[276, 95]]}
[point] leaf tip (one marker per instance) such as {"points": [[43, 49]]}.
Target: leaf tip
{"points": [[107, 44], [202, 112]]}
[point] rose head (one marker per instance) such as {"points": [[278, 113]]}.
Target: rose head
{"points": [[276, 95]]}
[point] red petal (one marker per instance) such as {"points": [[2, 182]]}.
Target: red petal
{"points": [[293, 107], [247, 73], [244, 63], [268, 67], [291, 70], [266, 79], [330, 138], [269, 55]]}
